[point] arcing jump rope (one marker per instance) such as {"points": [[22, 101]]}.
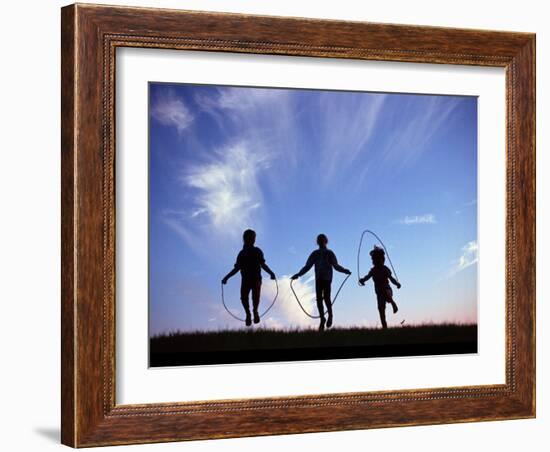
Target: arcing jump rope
{"points": [[264, 313], [332, 303], [359, 254]]}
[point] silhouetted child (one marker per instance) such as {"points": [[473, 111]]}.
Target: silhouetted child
{"points": [[250, 262], [381, 275], [324, 261]]}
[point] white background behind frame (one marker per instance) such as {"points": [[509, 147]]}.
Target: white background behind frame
{"points": [[135, 383], [36, 156]]}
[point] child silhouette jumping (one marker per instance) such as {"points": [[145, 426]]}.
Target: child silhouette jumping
{"points": [[381, 275], [250, 262], [324, 261]]}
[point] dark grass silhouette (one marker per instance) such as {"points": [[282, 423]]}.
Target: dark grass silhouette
{"points": [[262, 345]]}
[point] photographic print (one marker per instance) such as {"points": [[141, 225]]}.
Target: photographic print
{"points": [[294, 224]]}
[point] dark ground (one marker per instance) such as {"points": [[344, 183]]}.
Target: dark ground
{"points": [[265, 345]]}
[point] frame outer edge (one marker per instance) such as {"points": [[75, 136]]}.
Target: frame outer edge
{"points": [[68, 215], [525, 62], [86, 419], [534, 226]]}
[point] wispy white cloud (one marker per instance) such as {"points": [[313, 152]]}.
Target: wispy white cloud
{"points": [[468, 257], [250, 109], [227, 188], [178, 222], [346, 127], [225, 196], [428, 218], [472, 202], [224, 186], [245, 99], [415, 135], [170, 110], [262, 116]]}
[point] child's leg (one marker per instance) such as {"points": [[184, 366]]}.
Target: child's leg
{"points": [[382, 312], [245, 289], [326, 298], [393, 305], [390, 300], [319, 297], [256, 290]]}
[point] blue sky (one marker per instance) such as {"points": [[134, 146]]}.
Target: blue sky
{"points": [[292, 163]]}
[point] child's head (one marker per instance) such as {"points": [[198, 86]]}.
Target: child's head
{"points": [[249, 237], [378, 256], [322, 240]]}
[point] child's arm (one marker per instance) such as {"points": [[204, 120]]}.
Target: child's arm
{"points": [[264, 265], [365, 278], [233, 272], [268, 270], [305, 268], [337, 266], [230, 274], [392, 279]]}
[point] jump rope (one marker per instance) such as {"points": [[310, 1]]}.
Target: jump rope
{"points": [[359, 254], [331, 304], [337, 292], [263, 313]]}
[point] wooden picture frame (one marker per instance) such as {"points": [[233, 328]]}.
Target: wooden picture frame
{"points": [[90, 35]]}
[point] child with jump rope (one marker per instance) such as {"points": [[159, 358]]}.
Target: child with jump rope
{"points": [[381, 275], [250, 262], [324, 261]]}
